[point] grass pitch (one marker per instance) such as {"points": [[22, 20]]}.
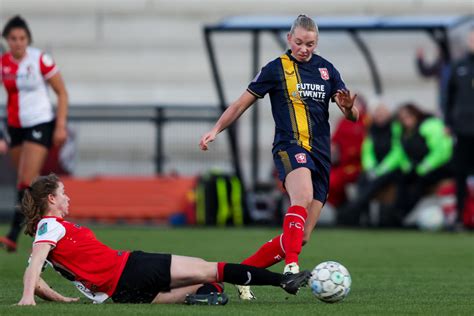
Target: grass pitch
{"points": [[393, 272]]}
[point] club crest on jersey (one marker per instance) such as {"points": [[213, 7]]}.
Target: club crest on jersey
{"points": [[43, 229], [300, 158], [324, 73]]}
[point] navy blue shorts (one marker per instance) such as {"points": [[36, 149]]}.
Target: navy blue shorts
{"points": [[290, 157]]}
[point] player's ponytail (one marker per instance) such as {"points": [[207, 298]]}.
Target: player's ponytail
{"points": [[304, 22], [35, 201]]}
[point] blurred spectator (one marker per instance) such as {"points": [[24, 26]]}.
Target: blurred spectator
{"points": [[381, 156], [439, 69], [346, 143], [460, 119], [427, 148]]}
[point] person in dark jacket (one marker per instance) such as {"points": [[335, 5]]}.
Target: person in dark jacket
{"points": [[438, 69], [427, 149], [460, 120]]}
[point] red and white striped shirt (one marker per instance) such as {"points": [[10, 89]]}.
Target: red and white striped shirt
{"points": [[25, 83]]}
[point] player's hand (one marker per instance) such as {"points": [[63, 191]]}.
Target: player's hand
{"points": [[206, 139], [60, 136], [66, 299], [27, 301], [344, 99]]}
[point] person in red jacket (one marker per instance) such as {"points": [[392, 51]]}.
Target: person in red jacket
{"points": [[346, 145]]}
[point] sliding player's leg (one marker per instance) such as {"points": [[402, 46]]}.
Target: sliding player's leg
{"points": [[185, 271]]}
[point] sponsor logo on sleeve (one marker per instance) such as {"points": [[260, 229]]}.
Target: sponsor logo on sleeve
{"points": [[47, 60], [43, 229]]}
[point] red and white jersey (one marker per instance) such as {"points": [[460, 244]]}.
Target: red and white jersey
{"points": [[25, 83], [78, 256]]}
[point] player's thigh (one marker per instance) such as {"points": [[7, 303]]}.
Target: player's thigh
{"points": [[189, 270], [299, 185], [31, 162], [314, 212], [15, 154], [176, 295]]}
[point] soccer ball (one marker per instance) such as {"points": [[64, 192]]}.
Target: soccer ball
{"points": [[431, 218], [330, 282]]}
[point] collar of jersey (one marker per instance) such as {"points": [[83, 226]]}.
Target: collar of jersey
{"points": [[59, 219], [288, 53]]}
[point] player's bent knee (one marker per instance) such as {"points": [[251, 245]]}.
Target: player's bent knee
{"points": [[209, 272], [303, 199]]}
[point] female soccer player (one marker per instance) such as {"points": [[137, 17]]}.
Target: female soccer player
{"points": [[100, 272], [300, 84], [25, 72]]}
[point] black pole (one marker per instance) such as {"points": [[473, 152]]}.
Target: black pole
{"points": [[255, 113], [370, 61], [159, 140], [223, 104], [281, 42]]}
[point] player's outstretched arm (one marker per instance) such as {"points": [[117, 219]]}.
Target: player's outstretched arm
{"points": [[345, 102], [44, 291], [233, 112], [34, 284], [32, 273]]}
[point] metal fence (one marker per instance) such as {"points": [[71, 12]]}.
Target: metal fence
{"points": [[142, 139], [131, 140]]}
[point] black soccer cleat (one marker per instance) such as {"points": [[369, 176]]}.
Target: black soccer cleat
{"points": [[206, 299], [291, 283]]}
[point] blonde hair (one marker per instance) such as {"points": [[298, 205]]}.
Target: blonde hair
{"points": [[304, 22], [35, 200]]}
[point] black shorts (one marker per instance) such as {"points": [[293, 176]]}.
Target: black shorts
{"points": [[40, 134], [145, 274]]}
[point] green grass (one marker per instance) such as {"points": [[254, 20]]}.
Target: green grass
{"points": [[393, 272]]}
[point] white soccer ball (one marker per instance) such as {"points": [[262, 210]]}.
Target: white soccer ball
{"points": [[330, 282], [431, 218]]}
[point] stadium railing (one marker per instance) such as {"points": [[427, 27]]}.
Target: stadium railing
{"points": [[132, 140]]}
